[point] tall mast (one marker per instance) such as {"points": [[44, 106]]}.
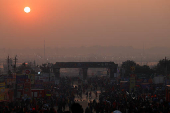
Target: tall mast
{"points": [[8, 64], [44, 50]]}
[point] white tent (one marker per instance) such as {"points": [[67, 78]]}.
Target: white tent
{"points": [[117, 111]]}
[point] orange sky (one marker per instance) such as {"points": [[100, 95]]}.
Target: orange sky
{"points": [[84, 23]]}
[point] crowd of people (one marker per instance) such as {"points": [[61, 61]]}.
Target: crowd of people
{"points": [[115, 98], [111, 98]]}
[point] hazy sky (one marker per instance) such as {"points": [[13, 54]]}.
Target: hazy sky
{"points": [[84, 23]]}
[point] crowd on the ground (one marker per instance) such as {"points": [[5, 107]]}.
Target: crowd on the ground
{"points": [[115, 98], [128, 103], [112, 98]]}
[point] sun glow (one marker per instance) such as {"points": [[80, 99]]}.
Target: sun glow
{"points": [[27, 9]]}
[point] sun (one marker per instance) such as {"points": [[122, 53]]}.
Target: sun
{"points": [[27, 9]]}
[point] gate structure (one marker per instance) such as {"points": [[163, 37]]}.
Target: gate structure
{"points": [[85, 65]]}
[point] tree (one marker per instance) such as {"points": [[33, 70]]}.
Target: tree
{"points": [[144, 69], [163, 67], [126, 69]]}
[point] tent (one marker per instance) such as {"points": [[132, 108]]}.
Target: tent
{"points": [[117, 111]]}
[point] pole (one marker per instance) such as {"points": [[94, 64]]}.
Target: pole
{"points": [[165, 70], [44, 50], [49, 74], [8, 64]]}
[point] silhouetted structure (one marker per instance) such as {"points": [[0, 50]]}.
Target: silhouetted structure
{"points": [[85, 65]]}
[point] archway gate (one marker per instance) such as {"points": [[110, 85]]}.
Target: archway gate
{"points": [[85, 65]]}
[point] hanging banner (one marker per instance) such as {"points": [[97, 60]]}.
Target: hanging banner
{"points": [[27, 87], [132, 82], [20, 79], [32, 78]]}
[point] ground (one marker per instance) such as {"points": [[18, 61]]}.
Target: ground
{"points": [[84, 101]]}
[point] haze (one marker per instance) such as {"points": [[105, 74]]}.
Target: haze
{"points": [[65, 23]]}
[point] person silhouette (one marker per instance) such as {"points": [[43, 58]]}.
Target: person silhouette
{"points": [[76, 108]]}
